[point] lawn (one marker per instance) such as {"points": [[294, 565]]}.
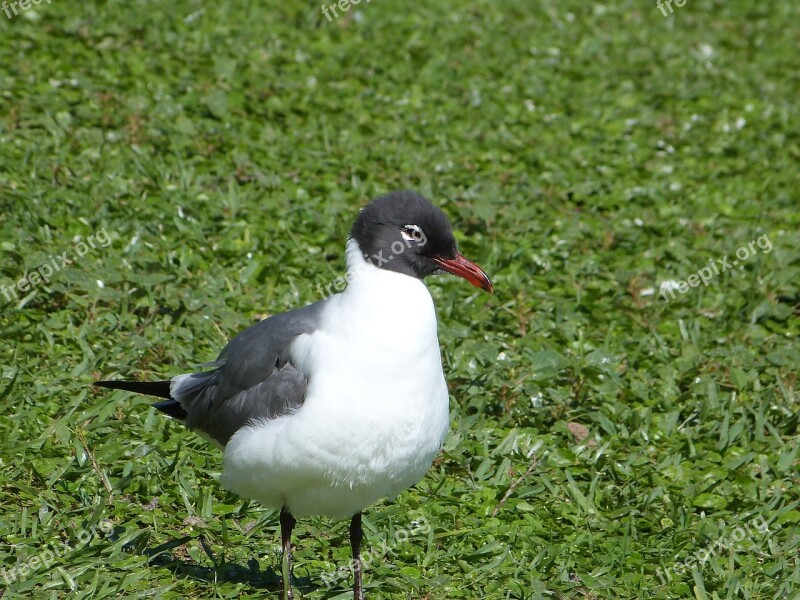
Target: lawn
{"points": [[624, 408]]}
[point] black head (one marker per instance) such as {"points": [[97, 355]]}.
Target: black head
{"points": [[405, 233]]}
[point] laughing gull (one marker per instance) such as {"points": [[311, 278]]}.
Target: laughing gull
{"points": [[325, 409]]}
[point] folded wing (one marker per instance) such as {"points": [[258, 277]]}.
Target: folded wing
{"points": [[252, 379]]}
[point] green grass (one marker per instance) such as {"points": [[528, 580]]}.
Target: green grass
{"points": [[585, 152]]}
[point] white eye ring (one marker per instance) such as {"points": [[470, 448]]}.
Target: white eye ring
{"points": [[412, 233]]}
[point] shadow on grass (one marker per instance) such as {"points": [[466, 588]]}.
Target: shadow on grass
{"points": [[252, 574]]}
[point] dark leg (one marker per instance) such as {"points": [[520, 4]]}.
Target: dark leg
{"points": [[355, 545], [287, 524]]}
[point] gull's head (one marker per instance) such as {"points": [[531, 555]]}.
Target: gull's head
{"points": [[405, 233]]}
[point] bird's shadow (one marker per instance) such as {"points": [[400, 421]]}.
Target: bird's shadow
{"points": [[252, 573]]}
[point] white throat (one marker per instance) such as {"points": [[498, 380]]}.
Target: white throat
{"points": [[381, 285]]}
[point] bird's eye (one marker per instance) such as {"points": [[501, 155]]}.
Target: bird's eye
{"points": [[413, 233]]}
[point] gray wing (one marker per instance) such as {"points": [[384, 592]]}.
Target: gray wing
{"points": [[253, 377]]}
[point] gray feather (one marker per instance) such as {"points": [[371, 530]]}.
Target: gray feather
{"points": [[254, 378]]}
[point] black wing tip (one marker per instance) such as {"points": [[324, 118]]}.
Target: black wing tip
{"points": [[172, 408], [159, 389], [113, 385], [169, 407]]}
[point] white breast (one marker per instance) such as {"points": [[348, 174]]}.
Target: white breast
{"points": [[376, 411]]}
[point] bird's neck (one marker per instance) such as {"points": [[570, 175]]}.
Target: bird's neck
{"points": [[381, 289]]}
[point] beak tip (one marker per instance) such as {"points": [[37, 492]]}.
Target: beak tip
{"points": [[466, 269]]}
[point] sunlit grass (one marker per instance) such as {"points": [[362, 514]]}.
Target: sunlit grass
{"points": [[605, 443]]}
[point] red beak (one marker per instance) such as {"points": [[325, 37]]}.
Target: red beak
{"points": [[466, 269]]}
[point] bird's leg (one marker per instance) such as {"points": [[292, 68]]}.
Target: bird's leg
{"points": [[287, 524], [355, 544]]}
